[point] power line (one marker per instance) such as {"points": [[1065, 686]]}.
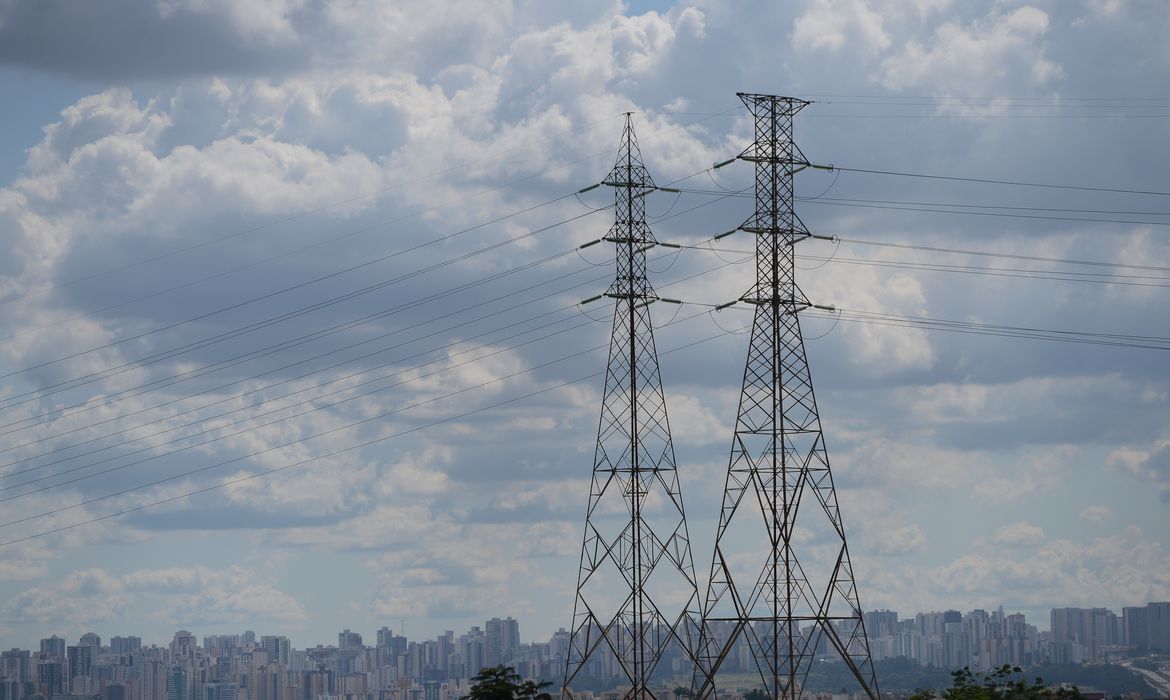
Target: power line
{"points": [[253, 428], [269, 350], [268, 472], [326, 207], [1055, 275], [314, 245], [959, 205], [1022, 332], [262, 402], [311, 409], [1013, 183], [301, 340], [251, 327], [327, 432], [306, 283], [1011, 256], [318, 356], [964, 251], [988, 213], [1087, 277], [858, 203]]}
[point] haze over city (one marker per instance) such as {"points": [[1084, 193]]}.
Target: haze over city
{"points": [[216, 215]]}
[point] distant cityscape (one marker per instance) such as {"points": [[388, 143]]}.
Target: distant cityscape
{"points": [[248, 666]]}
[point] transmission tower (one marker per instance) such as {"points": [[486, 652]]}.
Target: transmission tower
{"points": [[781, 591], [637, 595]]}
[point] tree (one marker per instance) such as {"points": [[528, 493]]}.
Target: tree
{"points": [[1004, 683], [756, 694], [531, 690], [503, 683]]}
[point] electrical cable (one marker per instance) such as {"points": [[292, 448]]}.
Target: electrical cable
{"points": [[1013, 183], [301, 285], [509, 326], [272, 385], [384, 438], [838, 203], [312, 246], [988, 213], [267, 351], [334, 453], [319, 209], [836, 319], [295, 251], [89, 404], [1023, 273], [300, 362], [1009, 256], [297, 414], [959, 205], [1074, 337], [251, 327], [1053, 275]]}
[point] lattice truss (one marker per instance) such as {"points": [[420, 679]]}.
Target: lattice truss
{"points": [[637, 599], [782, 592]]}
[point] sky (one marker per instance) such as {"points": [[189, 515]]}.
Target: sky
{"points": [[291, 339]]}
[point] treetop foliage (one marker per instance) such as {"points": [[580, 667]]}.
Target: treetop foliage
{"points": [[1004, 683]]}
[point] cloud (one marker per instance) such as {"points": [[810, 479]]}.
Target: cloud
{"points": [[1021, 534], [976, 56], [829, 24], [907, 540], [1096, 514], [181, 595], [307, 138], [1149, 466], [129, 39]]}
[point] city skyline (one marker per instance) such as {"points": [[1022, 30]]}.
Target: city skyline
{"points": [[291, 298], [876, 619]]}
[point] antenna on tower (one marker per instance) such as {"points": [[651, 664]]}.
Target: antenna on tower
{"points": [[637, 596], [780, 595]]}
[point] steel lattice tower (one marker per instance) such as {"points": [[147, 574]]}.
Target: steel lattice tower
{"points": [[637, 595], [788, 594]]}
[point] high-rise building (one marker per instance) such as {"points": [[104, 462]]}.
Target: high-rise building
{"points": [[15, 665], [80, 661], [125, 645], [51, 677], [90, 639], [1134, 620], [220, 691], [502, 640], [116, 691], [1158, 627], [348, 640], [54, 647], [178, 683], [1090, 629], [278, 649], [10, 689], [183, 646]]}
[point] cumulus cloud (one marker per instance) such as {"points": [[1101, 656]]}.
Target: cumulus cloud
{"points": [[1021, 534], [306, 138], [1096, 514], [125, 39], [189, 595], [829, 24], [1149, 466], [990, 50], [907, 540]]}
